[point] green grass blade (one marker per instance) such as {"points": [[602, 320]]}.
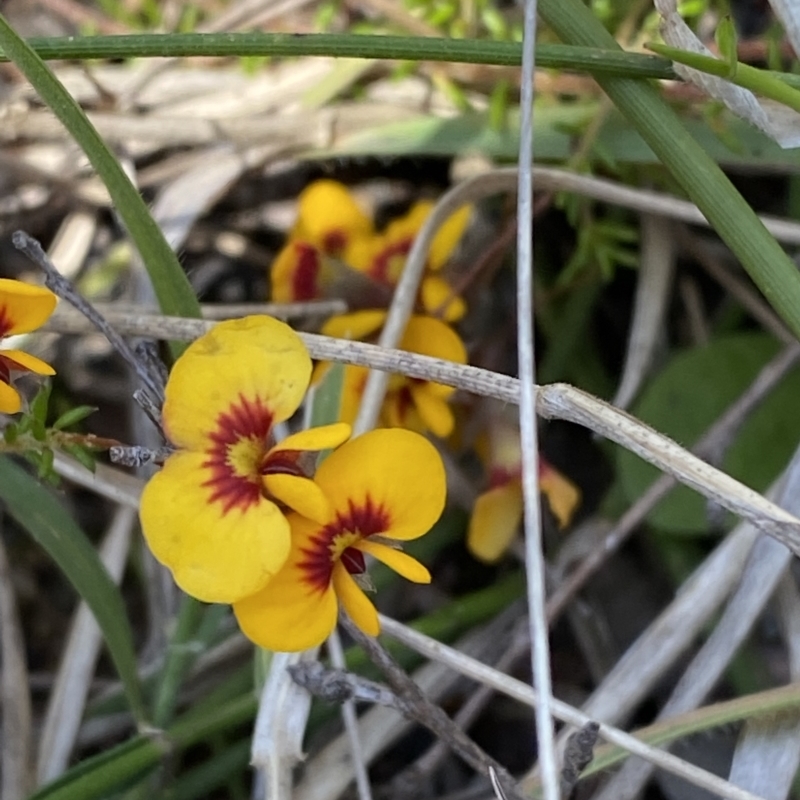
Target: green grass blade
{"points": [[35, 509], [403, 48], [703, 181], [175, 295]]}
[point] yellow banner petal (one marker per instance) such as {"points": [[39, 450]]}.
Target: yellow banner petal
{"points": [[394, 469], [214, 554], [28, 362]]}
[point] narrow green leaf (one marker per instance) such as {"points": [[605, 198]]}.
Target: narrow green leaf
{"points": [[727, 41], [175, 295], [73, 417], [35, 509]]}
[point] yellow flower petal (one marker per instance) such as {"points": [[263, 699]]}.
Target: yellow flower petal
{"points": [[27, 362], [289, 613], [495, 520], [407, 227], [323, 437], [23, 307], [353, 600], [432, 337], [356, 325], [330, 217], [434, 412], [216, 554], [361, 252], [436, 291], [447, 237], [300, 494], [402, 563], [244, 374], [562, 495], [355, 378], [10, 401], [394, 470]]}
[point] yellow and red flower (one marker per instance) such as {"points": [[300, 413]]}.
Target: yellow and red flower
{"points": [[410, 403], [214, 515], [386, 487], [332, 234], [497, 513], [23, 308]]}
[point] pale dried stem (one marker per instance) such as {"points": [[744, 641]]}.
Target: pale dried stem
{"points": [[516, 689], [554, 401]]}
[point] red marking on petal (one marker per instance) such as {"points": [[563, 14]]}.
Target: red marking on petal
{"points": [[6, 323], [306, 273], [380, 268], [500, 476], [334, 242], [245, 419], [364, 520]]}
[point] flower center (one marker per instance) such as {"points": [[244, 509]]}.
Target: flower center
{"points": [[339, 540], [334, 242], [388, 264], [239, 442]]}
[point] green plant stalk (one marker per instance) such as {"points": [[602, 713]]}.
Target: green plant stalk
{"points": [[703, 181], [402, 48], [100, 776], [180, 655], [170, 283], [759, 81]]}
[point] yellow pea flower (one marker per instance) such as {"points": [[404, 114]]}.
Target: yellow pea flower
{"points": [[386, 487], [23, 308], [497, 513], [214, 515]]}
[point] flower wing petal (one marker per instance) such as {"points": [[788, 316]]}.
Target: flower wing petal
{"points": [[432, 337], [23, 307], [352, 598], [495, 519], [215, 556], [356, 325], [28, 362], [258, 359], [402, 563], [395, 469], [323, 437], [433, 410], [300, 494], [435, 292], [289, 614]]}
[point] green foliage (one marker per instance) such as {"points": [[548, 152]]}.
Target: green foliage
{"points": [[687, 396]]}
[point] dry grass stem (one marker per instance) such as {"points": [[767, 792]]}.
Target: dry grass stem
{"points": [[465, 665], [65, 707]]}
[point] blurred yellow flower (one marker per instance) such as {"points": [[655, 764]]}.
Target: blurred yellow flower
{"points": [[23, 308], [333, 233], [386, 487], [214, 515], [410, 403], [497, 513]]}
